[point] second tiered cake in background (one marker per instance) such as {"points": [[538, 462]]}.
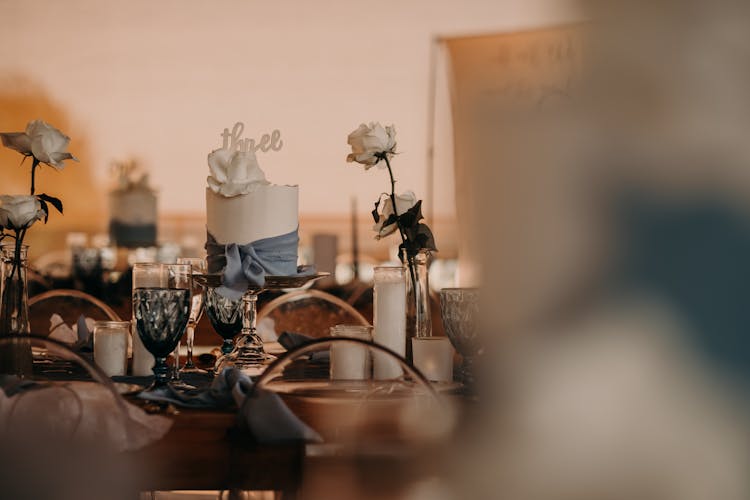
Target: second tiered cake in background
{"points": [[132, 209]]}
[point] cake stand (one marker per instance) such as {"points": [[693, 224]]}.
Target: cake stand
{"points": [[248, 353]]}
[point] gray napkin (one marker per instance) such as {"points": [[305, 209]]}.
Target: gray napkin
{"points": [[85, 337], [262, 413], [291, 341]]}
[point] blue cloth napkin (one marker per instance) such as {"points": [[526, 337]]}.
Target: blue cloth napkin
{"points": [[249, 264], [262, 413]]}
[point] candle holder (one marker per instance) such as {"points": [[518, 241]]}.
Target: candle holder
{"points": [[248, 352]]}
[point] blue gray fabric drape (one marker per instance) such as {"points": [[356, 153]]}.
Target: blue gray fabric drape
{"points": [[249, 264]]}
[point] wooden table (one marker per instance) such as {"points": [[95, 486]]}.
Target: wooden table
{"points": [[204, 451]]}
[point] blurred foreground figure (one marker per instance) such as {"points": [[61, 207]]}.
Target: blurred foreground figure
{"points": [[616, 268], [47, 467]]}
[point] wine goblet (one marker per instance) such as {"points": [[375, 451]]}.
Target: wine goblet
{"points": [[161, 305], [226, 317], [198, 266], [459, 308]]}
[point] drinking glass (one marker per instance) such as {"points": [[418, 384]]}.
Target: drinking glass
{"points": [[226, 318], [161, 305], [459, 308], [196, 311]]}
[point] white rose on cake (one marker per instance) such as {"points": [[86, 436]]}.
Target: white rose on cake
{"points": [[234, 173], [404, 202], [19, 211], [370, 143]]}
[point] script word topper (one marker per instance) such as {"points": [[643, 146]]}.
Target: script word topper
{"points": [[234, 142]]}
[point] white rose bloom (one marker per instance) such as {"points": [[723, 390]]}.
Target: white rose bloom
{"points": [[42, 141], [19, 211], [48, 144], [234, 172], [18, 141], [370, 141], [404, 202]]}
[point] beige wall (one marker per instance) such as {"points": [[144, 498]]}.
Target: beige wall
{"points": [[159, 80]]}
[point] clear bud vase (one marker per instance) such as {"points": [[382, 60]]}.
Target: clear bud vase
{"points": [[14, 309], [14, 295], [418, 313]]}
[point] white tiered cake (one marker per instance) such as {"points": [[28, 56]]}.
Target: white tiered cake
{"points": [[265, 211], [241, 205]]}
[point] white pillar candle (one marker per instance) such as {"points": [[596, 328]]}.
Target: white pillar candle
{"points": [[433, 356], [143, 361], [145, 275], [390, 320], [350, 361], [111, 346]]}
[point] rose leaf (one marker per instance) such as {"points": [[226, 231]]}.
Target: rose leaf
{"points": [[45, 208], [54, 201], [375, 214], [424, 238]]}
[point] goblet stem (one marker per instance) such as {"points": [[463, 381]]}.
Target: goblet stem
{"points": [[466, 371], [189, 340], [175, 375], [227, 346], [161, 372]]}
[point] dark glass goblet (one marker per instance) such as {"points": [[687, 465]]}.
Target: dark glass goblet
{"points": [[225, 316], [459, 308], [161, 306]]}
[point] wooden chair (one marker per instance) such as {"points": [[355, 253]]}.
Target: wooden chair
{"points": [[70, 305], [311, 312], [47, 427]]}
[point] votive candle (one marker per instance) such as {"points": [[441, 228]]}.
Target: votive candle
{"points": [[350, 361], [111, 346], [433, 356]]}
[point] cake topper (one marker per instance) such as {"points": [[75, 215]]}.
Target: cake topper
{"points": [[234, 142], [130, 175]]}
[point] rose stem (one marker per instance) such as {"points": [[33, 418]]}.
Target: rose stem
{"points": [[409, 261], [34, 164]]}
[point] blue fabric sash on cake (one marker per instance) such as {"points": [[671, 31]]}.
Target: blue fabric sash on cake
{"points": [[249, 264]]}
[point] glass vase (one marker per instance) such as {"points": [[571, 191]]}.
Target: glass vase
{"points": [[14, 294], [418, 312], [15, 358]]}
